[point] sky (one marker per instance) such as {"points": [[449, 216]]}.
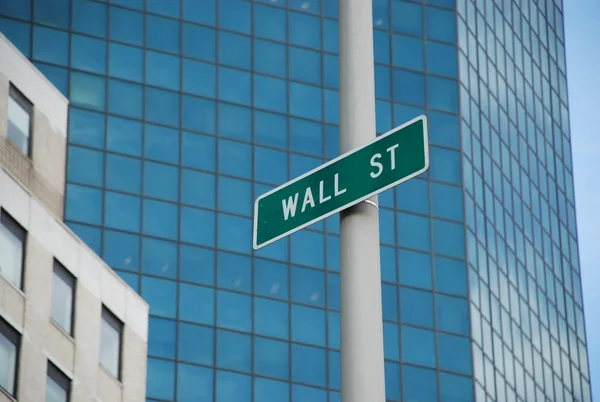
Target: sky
{"points": [[582, 36]]}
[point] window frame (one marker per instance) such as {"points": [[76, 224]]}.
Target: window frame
{"points": [[66, 276], [59, 378], [15, 94], [111, 319], [20, 233], [14, 337]]}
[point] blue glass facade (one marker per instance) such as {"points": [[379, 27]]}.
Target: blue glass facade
{"points": [[184, 111]]}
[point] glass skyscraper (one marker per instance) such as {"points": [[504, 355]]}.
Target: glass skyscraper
{"points": [[184, 111]]}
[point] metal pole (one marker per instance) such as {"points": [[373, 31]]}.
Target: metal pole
{"points": [[362, 367]]}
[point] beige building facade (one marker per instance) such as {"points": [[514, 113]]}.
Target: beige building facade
{"points": [[70, 328]]}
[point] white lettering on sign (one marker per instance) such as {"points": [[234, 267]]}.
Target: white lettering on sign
{"points": [[379, 165], [308, 199], [290, 205]]}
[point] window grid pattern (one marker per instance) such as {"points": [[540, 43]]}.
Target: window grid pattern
{"points": [[182, 113], [527, 318]]}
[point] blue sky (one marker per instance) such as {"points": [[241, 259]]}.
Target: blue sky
{"points": [[582, 30]]}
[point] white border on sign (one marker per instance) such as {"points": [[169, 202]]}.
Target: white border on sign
{"points": [[422, 117]]}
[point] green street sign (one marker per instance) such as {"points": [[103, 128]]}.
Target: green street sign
{"points": [[392, 158]]}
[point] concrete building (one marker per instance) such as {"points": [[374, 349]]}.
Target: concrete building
{"points": [[70, 328]]}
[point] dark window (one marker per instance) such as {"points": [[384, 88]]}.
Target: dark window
{"points": [[12, 249], [110, 343], [58, 385], [9, 357], [63, 295], [19, 120]]}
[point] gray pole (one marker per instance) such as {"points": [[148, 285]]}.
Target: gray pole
{"points": [[362, 367]]}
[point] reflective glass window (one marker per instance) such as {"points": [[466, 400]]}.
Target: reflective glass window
{"points": [[330, 34], [161, 337], [416, 307], [58, 385], [271, 358], [270, 129], [270, 22], [447, 201], [449, 238], [126, 26], [234, 351], [124, 136], [12, 244], [455, 387], [83, 204], [305, 65], [407, 17], [392, 381], [202, 12], [237, 18], [270, 165], [271, 279], [418, 346], [160, 219], [234, 311], [110, 343], [235, 196], [197, 264], [452, 314], [161, 143], [413, 231], [90, 235], [271, 318], [159, 257], [442, 94], [199, 42], [20, 111], [441, 24], [121, 250], [162, 33], [122, 211], [413, 196], [305, 101], [234, 272], [414, 269], [270, 93], [447, 165], [235, 159], [235, 50], [21, 10], [304, 30], [409, 87], [198, 151], [161, 181], [162, 106], [308, 286], [198, 188], [197, 226], [161, 379], [441, 59], [270, 58], [199, 78], [407, 52], [162, 70], [19, 33], [87, 90], [88, 54], [194, 384], [123, 173], [266, 390], [235, 86], [419, 383], [89, 17], [125, 98], [198, 114], [195, 343], [309, 365], [235, 233], [10, 341], [308, 325], [63, 295], [57, 14], [58, 76], [308, 248], [196, 304], [235, 122], [454, 353], [451, 276], [126, 62]]}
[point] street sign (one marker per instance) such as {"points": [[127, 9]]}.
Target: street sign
{"points": [[392, 158]]}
